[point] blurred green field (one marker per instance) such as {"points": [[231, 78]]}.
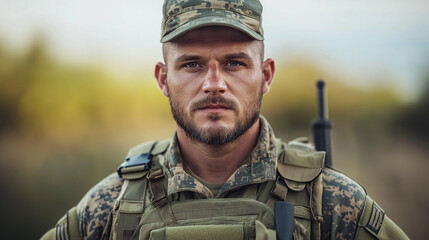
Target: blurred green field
{"points": [[64, 126]]}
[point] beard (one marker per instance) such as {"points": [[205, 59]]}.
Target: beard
{"points": [[219, 136]]}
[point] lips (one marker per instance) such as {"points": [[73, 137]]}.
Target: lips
{"points": [[214, 106]]}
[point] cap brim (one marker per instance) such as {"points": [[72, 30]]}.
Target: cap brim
{"points": [[211, 21]]}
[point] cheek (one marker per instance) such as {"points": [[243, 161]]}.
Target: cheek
{"points": [[184, 82], [248, 86], [180, 94]]}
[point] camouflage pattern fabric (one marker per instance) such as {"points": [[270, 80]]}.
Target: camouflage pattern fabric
{"points": [[342, 203], [94, 210], [180, 16], [180, 180]]}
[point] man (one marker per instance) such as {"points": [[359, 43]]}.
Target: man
{"points": [[223, 171]]}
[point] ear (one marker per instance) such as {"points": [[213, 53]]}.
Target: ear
{"points": [[161, 77], [268, 68]]}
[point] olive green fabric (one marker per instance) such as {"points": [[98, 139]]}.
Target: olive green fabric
{"points": [[299, 231], [153, 147], [299, 165], [49, 235], [316, 199], [129, 209], [67, 228], [145, 147], [209, 232], [213, 214], [135, 194], [263, 233], [73, 224], [374, 224]]}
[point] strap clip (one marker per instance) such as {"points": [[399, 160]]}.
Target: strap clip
{"points": [[139, 161]]}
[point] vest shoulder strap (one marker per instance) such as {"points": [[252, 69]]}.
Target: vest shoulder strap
{"points": [[139, 159], [153, 147], [130, 203]]}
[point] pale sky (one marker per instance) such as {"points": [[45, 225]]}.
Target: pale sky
{"points": [[365, 39]]}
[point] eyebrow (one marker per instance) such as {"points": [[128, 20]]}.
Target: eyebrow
{"points": [[186, 57], [237, 55]]}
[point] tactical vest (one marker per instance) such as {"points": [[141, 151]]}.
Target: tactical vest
{"points": [[143, 209]]}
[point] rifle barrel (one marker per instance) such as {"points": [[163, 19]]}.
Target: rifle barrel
{"points": [[321, 99], [322, 125]]}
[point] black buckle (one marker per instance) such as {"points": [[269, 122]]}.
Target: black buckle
{"points": [[142, 159]]}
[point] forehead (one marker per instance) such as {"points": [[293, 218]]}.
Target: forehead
{"points": [[212, 39]]}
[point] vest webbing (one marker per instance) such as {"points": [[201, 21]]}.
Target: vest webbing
{"points": [[156, 176]]}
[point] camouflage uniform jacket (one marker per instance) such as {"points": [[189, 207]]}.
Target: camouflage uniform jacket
{"points": [[342, 203]]}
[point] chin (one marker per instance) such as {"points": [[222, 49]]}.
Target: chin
{"points": [[216, 126], [216, 120]]}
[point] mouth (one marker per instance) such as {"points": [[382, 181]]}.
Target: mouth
{"points": [[214, 108]]}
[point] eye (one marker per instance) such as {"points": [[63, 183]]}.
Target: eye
{"points": [[234, 64], [192, 65]]}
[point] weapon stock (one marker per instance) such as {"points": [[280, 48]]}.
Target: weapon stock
{"points": [[322, 125]]}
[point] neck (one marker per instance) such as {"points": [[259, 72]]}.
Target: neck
{"points": [[216, 163]]}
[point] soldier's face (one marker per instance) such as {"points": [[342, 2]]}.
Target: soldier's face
{"points": [[215, 79]]}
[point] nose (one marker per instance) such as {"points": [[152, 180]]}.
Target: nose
{"points": [[214, 82]]}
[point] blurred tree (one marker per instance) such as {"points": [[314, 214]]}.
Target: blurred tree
{"points": [[291, 104], [413, 119], [18, 75]]}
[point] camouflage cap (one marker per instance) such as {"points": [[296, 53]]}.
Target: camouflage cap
{"points": [[181, 16]]}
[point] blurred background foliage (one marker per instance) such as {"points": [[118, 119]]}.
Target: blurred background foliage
{"points": [[64, 126]]}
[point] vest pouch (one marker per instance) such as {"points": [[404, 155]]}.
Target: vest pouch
{"points": [[210, 219], [235, 227], [213, 232]]}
